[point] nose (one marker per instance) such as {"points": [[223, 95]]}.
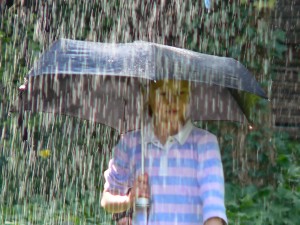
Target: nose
{"points": [[172, 98]]}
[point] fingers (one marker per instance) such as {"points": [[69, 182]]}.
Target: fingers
{"points": [[140, 188], [143, 186], [143, 178], [124, 221]]}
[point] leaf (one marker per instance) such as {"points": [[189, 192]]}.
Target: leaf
{"points": [[265, 192], [2, 34], [279, 35], [45, 153], [246, 202], [247, 102], [264, 4]]}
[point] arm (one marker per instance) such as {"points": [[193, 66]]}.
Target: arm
{"points": [[116, 203], [211, 181], [117, 180]]}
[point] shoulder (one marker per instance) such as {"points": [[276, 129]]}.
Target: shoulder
{"points": [[206, 143], [203, 140], [201, 134], [131, 138], [131, 134]]}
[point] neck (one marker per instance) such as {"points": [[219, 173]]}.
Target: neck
{"points": [[163, 130]]}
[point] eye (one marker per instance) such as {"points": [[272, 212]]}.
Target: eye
{"points": [[183, 93]]}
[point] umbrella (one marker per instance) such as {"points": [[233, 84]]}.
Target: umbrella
{"points": [[102, 82]]}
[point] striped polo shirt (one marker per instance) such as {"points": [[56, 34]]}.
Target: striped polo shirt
{"points": [[185, 175]]}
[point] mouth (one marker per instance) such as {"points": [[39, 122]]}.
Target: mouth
{"points": [[172, 111]]}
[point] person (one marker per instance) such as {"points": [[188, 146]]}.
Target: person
{"points": [[183, 176]]}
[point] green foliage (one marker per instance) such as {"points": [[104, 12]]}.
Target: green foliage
{"points": [[248, 103], [270, 204], [267, 205], [62, 187]]}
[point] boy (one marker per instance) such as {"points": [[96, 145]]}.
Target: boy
{"points": [[184, 174]]}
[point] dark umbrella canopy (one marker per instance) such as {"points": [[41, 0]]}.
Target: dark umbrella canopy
{"points": [[102, 82], [144, 60]]}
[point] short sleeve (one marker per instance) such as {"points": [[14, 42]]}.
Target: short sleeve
{"points": [[118, 175], [211, 179]]}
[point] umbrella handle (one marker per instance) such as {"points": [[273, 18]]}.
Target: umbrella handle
{"points": [[142, 202], [142, 205]]}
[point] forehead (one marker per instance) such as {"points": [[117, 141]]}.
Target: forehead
{"points": [[169, 84]]}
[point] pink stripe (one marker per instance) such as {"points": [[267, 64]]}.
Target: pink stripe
{"points": [[212, 186], [174, 153], [173, 190], [175, 208], [185, 172], [213, 201], [212, 171], [120, 154], [201, 139], [210, 155], [136, 157], [184, 153], [168, 223], [177, 153], [130, 140]]}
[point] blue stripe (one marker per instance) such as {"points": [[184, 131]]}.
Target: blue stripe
{"points": [[213, 208], [176, 199], [135, 151], [215, 162], [181, 218], [185, 163], [213, 193], [120, 163], [208, 146], [211, 179], [174, 162], [188, 163], [174, 180], [204, 148]]}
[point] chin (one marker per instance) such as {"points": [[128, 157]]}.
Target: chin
{"points": [[175, 120]]}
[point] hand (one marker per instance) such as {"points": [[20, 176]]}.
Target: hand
{"points": [[214, 221], [124, 221], [140, 188]]}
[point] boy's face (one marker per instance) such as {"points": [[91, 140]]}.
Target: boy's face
{"points": [[169, 100]]}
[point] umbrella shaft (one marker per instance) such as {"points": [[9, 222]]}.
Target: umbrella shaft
{"points": [[142, 135]]}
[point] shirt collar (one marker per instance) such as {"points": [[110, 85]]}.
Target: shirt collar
{"points": [[181, 136]]}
